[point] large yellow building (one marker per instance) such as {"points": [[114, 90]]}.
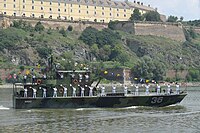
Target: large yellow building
{"points": [[74, 10]]}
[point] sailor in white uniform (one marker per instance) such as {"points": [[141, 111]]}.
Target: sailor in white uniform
{"points": [[65, 91], [82, 91], [136, 89], [125, 90], [90, 91], [73, 91], [55, 92], [34, 92], [113, 89], [158, 89], [147, 89], [168, 89], [103, 91], [177, 88], [44, 92], [25, 92]]}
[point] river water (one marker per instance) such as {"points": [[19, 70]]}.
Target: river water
{"points": [[181, 118]]}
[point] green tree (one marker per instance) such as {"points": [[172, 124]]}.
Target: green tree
{"points": [[172, 19], [152, 16], [148, 69], [136, 15], [69, 28], [88, 36], [63, 32], [39, 26]]}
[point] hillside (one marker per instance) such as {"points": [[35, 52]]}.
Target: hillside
{"points": [[24, 45]]}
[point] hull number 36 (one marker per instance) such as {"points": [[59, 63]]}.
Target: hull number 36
{"points": [[155, 100]]}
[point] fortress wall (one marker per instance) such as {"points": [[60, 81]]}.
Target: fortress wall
{"points": [[53, 24], [174, 32], [197, 30]]}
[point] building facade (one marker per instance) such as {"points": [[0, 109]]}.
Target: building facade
{"points": [[73, 10]]}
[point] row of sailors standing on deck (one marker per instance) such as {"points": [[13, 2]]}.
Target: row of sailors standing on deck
{"points": [[158, 89], [64, 91]]}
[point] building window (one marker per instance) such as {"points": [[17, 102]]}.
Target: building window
{"points": [[124, 10], [79, 11], [110, 9], [79, 6], [110, 14], [117, 9], [124, 15], [65, 4], [59, 10], [95, 13], [41, 2], [23, 6], [87, 6], [50, 9], [58, 4], [32, 7], [50, 16], [23, 15], [14, 6], [102, 8], [65, 10], [87, 12], [32, 1], [117, 15], [71, 5], [33, 15], [4, 0], [23, 1], [14, 14], [95, 7], [71, 10], [4, 5], [13, 0], [41, 8], [102, 13], [42, 16], [4, 13]]}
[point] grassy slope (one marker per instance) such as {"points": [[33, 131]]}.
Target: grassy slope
{"points": [[158, 48]]}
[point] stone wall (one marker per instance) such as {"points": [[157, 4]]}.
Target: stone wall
{"points": [[53, 24], [172, 31]]}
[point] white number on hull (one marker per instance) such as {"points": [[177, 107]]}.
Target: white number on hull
{"points": [[156, 100]]}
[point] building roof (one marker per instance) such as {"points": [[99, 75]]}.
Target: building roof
{"points": [[105, 3], [140, 6]]}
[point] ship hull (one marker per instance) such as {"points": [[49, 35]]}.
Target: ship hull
{"points": [[97, 101]]}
